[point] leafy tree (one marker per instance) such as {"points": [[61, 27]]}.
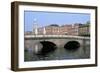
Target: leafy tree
{"points": [[88, 22]]}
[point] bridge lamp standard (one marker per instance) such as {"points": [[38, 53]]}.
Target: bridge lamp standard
{"points": [[35, 26], [58, 31], [44, 31]]}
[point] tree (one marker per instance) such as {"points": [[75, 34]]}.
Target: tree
{"points": [[88, 22]]}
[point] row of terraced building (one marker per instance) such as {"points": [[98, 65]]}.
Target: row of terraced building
{"points": [[67, 29]]}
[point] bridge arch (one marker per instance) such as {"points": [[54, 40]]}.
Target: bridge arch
{"points": [[72, 45], [48, 47]]}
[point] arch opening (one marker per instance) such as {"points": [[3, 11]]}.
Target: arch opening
{"points": [[47, 48], [72, 46]]}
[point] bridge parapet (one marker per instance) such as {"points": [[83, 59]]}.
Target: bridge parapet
{"points": [[56, 36]]}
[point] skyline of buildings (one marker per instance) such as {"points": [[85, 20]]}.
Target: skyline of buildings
{"points": [[76, 29]]}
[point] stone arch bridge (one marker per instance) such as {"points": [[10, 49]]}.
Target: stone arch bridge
{"points": [[60, 40], [57, 39]]}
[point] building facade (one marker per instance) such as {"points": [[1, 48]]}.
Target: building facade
{"points": [[84, 30], [67, 29]]}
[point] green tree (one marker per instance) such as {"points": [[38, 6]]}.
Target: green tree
{"points": [[88, 22]]}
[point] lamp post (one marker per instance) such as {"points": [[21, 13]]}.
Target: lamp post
{"points": [[44, 31], [35, 25]]}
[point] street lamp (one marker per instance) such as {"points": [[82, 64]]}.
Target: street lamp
{"points": [[35, 25], [44, 31]]}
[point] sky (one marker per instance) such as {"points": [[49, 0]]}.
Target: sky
{"points": [[46, 18]]}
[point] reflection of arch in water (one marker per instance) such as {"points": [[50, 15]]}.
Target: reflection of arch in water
{"points": [[48, 47], [72, 45]]}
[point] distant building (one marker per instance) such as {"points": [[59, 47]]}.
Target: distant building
{"points": [[71, 29], [28, 33], [84, 30], [64, 30], [67, 29], [52, 29]]}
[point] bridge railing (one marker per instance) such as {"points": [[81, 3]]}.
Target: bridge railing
{"points": [[55, 36]]}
